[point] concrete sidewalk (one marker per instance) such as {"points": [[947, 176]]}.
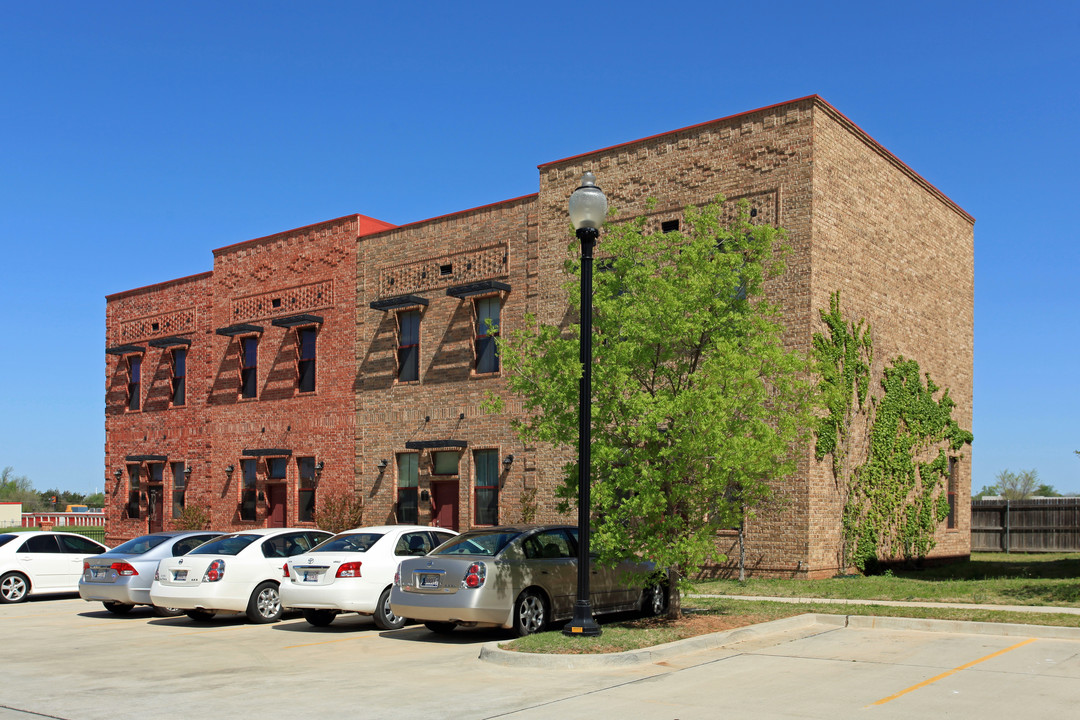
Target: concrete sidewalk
{"points": [[900, 603]]}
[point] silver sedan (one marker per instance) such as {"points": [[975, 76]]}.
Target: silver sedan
{"points": [[519, 577]]}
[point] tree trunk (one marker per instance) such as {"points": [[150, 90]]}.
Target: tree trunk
{"points": [[742, 555], [674, 606]]}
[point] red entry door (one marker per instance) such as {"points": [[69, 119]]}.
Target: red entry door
{"points": [[155, 510], [275, 501], [444, 501]]}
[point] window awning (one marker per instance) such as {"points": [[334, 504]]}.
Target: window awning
{"points": [[168, 342], [239, 329], [477, 288], [431, 444], [265, 452], [146, 458], [125, 350], [295, 320], [398, 301]]}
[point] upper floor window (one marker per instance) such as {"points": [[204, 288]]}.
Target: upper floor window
{"points": [[134, 381], [306, 489], [408, 352], [179, 376], [305, 364], [487, 329], [249, 367]]}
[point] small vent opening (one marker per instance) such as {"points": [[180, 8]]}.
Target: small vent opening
{"points": [[669, 226], [445, 270]]}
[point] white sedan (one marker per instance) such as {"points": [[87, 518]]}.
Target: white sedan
{"points": [[40, 562], [354, 571], [240, 572]]}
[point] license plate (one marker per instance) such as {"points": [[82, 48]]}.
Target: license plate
{"points": [[311, 576], [180, 575], [97, 574], [429, 581]]}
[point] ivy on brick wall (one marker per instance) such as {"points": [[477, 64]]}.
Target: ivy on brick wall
{"points": [[893, 503]]}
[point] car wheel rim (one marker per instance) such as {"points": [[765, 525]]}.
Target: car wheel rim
{"points": [[14, 588], [268, 603], [388, 613], [532, 614]]}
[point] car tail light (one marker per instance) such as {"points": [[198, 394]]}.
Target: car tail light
{"points": [[85, 566], [397, 575], [285, 570], [349, 570], [123, 568], [215, 572], [475, 575]]}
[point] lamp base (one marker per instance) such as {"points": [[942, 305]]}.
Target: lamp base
{"points": [[582, 624]]}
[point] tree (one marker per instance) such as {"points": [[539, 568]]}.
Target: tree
{"points": [[1045, 490], [18, 488], [697, 406], [339, 510], [1017, 486]]}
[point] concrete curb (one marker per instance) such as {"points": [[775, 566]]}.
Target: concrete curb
{"points": [[491, 652], [1043, 609]]}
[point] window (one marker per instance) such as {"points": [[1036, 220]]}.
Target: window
{"points": [[277, 468], [414, 543], [134, 377], [487, 487], [179, 376], [305, 364], [179, 481], [445, 462], [134, 473], [408, 353], [550, 544], [408, 482], [487, 329], [306, 489], [249, 367], [76, 544], [247, 494], [40, 544], [954, 485]]}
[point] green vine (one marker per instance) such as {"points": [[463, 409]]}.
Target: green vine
{"points": [[893, 504]]}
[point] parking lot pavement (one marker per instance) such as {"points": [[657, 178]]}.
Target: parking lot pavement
{"points": [[65, 658]]}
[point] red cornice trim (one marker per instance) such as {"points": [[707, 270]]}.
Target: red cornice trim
{"points": [[354, 217], [160, 285], [464, 212]]}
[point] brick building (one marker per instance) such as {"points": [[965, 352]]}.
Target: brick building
{"points": [[391, 325]]}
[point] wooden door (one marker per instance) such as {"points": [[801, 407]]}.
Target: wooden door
{"points": [[444, 502], [155, 510], [275, 501]]}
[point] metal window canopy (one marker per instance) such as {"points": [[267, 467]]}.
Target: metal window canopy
{"points": [[296, 320], [398, 301], [146, 458], [477, 288], [168, 342], [434, 444], [239, 329], [125, 350], [265, 452]]}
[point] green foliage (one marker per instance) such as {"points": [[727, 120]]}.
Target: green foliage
{"points": [[193, 517], [895, 502], [338, 510], [697, 406], [1019, 486], [18, 488]]}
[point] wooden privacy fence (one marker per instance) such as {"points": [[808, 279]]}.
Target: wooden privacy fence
{"points": [[1034, 525]]}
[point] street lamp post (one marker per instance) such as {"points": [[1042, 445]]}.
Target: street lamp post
{"points": [[588, 208]]}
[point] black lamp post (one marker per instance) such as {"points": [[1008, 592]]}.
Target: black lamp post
{"points": [[588, 208]]}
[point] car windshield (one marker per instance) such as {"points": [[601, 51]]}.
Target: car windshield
{"points": [[481, 542], [6, 538], [348, 542], [227, 545], [140, 544]]}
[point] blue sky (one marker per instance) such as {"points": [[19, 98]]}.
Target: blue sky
{"points": [[135, 137]]}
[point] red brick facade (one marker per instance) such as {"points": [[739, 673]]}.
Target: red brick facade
{"points": [[858, 221]]}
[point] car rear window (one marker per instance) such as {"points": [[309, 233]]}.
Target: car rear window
{"points": [[481, 542], [348, 542], [226, 545], [140, 544], [5, 539]]}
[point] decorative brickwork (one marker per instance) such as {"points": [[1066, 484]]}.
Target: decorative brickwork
{"points": [[289, 301], [446, 270], [160, 325]]}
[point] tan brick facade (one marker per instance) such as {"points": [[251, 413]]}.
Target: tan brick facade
{"points": [[858, 221]]}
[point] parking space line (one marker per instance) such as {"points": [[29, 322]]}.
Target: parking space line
{"points": [[955, 670], [351, 637]]}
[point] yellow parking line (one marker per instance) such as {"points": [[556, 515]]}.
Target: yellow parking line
{"points": [[946, 674]]}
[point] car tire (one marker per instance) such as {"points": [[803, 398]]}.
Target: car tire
{"points": [[442, 628], [385, 619], [200, 615], [118, 608], [320, 618], [654, 600], [167, 612], [530, 613], [265, 604], [14, 587]]}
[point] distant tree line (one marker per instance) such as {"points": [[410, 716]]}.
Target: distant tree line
{"points": [[19, 488], [1017, 486]]}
